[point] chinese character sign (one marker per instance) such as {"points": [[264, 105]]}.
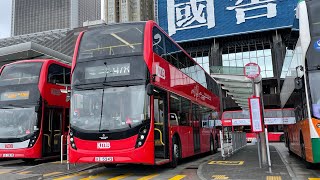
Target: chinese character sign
{"points": [[241, 9], [189, 15], [186, 20]]}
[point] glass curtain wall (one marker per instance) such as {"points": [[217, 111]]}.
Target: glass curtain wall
{"points": [[240, 55], [202, 58]]}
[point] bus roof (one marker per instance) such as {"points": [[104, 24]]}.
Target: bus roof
{"points": [[39, 60]]}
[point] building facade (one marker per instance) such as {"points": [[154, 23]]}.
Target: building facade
{"points": [[230, 34], [115, 11], [32, 16]]}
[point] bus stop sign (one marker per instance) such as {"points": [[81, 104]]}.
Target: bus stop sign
{"points": [[251, 70], [255, 114]]}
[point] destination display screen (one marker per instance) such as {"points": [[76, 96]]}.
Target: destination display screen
{"points": [[10, 96], [106, 71]]}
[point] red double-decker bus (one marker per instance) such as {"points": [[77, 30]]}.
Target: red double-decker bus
{"points": [[33, 112], [137, 97], [274, 120]]}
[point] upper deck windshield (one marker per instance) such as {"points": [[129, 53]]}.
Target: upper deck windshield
{"points": [[17, 122], [20, 73], [109, 40]]}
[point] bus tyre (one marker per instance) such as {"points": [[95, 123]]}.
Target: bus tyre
{"points": [[303, 149], [175, 153], [216, 144], [282, 139], [290, 152], [212, 151]]}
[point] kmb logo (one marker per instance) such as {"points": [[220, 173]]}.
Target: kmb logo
{"points": [[8, 146], [103, 145]]}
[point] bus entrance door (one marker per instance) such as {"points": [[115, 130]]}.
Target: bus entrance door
{"points": [[161, 138], [52, 131]]}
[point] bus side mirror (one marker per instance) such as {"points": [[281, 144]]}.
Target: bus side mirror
{"points": [[298, 83], [150, 88], [68, 97]]}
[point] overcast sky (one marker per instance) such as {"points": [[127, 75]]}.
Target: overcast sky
{"points": [[5, 18]]}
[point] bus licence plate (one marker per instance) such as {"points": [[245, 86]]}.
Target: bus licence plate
{"points": [[103, 159], [8, 155]]}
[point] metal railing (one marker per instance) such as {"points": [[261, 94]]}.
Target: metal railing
{"points": [[62, 151], [232, 142]]}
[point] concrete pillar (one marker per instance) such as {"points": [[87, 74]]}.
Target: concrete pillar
{"points": [[279, 52], [215, 57]]}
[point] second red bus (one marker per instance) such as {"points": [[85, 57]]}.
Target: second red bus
{"points": [[138, 97]]}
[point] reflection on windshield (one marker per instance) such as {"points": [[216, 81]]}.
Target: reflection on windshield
{"points": [[112, 40], [17, 122], [21, 73], [122, 107], [314, 77]]}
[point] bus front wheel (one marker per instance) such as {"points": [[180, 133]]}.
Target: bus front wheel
{"points": [[175, 153], [212, 150]]}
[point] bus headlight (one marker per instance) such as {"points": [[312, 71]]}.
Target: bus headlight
{"points": [[318, 125], [73, 145], [143, 132], [32, 140]]}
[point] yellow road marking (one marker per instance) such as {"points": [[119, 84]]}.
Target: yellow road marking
{"points": [[71, 176], [95, 176], [25, 172], [273, 178], [4, 171], [177, 177], [120, 177], [233, 163], [148, 177], [220, 177], [314, 178], [51, 174]]}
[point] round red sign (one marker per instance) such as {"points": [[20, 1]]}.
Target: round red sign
{"points": [[251, 70]]}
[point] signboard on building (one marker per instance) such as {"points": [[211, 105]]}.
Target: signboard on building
{"points": [[187, 20], [255, 114]]}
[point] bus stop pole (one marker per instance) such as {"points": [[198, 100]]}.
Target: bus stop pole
{"points": [[258, 144], [258, 93]]}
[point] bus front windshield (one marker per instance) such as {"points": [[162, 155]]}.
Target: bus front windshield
{"points": [[111, 108], [17, 122], [20, 73], [314, 77]]}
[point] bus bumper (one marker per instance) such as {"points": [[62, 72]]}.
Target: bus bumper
{"points": [[141, 155], [25, 153]]}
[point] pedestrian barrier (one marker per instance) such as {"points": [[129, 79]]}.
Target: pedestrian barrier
{"points": [[231, 142], [63, 147]]}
